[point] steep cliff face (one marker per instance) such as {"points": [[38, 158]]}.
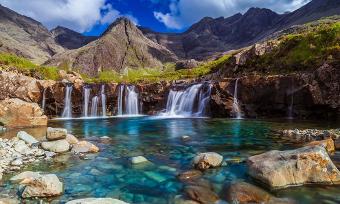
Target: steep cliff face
{"points": [[210, 37], [26, 37], [122, 46], [70, 39]]}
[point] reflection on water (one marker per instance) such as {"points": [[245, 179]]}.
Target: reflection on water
{"points": [[108, 173]]}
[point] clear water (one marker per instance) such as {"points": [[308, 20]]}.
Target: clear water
{"points": [[109, 174]]}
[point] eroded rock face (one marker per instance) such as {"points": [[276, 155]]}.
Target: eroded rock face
{"points": [[307, 165], [17, 113], [207, 160], [243, 192]]}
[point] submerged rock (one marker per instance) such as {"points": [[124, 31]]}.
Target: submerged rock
{"points": [[96, 201], [56, 133], [58, 146], [190, 175], [243, 192], [84, 147], [29, 139], [207, 160], [307, 165], [138, 160], [201, 194]]}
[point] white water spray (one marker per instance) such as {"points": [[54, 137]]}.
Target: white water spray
{"points": [[67, 112], [236, 106], [87, 91], [103, 99], [128, 103], [43, 103], [94, 107]]}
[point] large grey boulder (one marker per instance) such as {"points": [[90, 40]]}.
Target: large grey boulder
{"points": [[29, 139], [58, 146], [56, 133], [307, 165], [96, 201], [207, 160]]}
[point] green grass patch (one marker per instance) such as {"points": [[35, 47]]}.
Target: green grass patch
{"points": [[10, 61]]}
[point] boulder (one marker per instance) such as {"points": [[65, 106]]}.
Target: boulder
{"points": [[96, 201], [328, 144], [57, 146], [243, 192], [71, 139], [307, 165], [190, 175], [201, 194], [207, 160], [41, 186], [84, 147], [17, 113], [24, 175], [27, 138], [138, 160], [56, 133], [9, 201], [186, 64]]}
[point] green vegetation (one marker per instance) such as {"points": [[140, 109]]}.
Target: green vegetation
{"points": [[155, 74], [10, 62], [307, 50]]}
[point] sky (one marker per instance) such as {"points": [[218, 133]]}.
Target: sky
{"points": [[92, 17]]}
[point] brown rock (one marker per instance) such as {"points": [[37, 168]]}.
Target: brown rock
{"points": [[17, 113], [71, 139], [243, 192], [84, 147], [207, 160], [190, 175], [327, 144], [201, 194], [307, 165], [56, 133], [41, 186]]}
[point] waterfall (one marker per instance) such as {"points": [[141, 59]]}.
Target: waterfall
{"points": [[94, 107], [120, 99], [189, 102], [236, 107], [87, 91], [103, 98], [131, 101], [43, 103], [67, 112], [128, 103]]}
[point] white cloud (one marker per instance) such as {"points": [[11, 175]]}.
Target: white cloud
{"points": [[79, 15], [183, 13]]}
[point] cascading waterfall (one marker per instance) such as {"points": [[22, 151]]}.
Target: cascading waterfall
{"points": [[189, 102], [128, 103], [43, 103], [94, 106], [67, 112], [120, 99], [131, 101], [87, 91], [103, 99], [236, 107]]}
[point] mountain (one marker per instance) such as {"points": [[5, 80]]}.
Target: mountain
{"points": [[210, 36], [122, 46], [26, 37], [70, 39]]}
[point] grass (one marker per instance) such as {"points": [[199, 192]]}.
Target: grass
{"points": [[300, 52], [10, 61]]}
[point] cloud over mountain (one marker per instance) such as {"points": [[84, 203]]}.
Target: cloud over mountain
{"points": [[183, 13]]}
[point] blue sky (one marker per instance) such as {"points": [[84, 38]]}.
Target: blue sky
{"points": [[92, 17]]}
